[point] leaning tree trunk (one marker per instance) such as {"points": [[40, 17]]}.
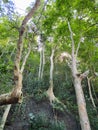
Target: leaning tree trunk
{"points": [[16, 94], [84, 120], [3, 121]]}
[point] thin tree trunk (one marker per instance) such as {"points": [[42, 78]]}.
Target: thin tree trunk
{"points": [[40, 66], [4, 118], [90, 93], [43, 57], [50, 90], [84, 120]]}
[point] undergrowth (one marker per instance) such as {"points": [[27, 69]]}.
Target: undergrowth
{"points": [[40, 122]]}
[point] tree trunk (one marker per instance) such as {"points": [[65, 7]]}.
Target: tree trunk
{"points": [[3, 121], [50, 92], [43, 55], [16, 94], [84, 120]]}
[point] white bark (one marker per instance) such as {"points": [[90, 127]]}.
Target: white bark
{"points": [[43, 57], [84, 120], [52, 65], [90, 93], [40, 66], [4, 118], [25, 59], [50, 90]]}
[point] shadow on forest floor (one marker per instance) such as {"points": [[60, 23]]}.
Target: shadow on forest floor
{"points": [[19, 116]]}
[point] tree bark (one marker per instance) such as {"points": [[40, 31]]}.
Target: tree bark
{"points": [[40, 66], [84, 120], [43, 55], [90, 93], [16, 94], [42, 58], [50, 92], [3, 121]]}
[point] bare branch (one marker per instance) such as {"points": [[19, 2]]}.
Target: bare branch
{"points": [[78, 47], [90, 93], [25, 59], [22, 30], [71, 36], [96, 73], [84, 75], [74, 66]]}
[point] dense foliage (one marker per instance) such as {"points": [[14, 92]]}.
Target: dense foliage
{"points": [[52, 25]]}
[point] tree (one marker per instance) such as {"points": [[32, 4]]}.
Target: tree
{"points": [[16, 94], [50, 92], [79, 15], [84, 120]]}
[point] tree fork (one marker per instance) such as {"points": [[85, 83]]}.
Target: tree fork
{"points": [[16, 94], [84, 120]]}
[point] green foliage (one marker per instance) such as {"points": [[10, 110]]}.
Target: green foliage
{"points": [[6, 68], [83, 17], [93, 114], [40, 122], [57, 105]]}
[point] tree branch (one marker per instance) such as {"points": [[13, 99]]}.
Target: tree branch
{"points": [[78, 47], [74, 66], [25, 59], [90, 93], [84, 75], [71, 36]]}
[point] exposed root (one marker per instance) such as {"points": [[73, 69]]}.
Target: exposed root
{"points": [[54, 101]]}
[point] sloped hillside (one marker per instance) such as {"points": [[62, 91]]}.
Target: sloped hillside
{"points": [[34, 115]]}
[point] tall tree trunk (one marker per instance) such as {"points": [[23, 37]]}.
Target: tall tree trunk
{"points": [[41, 47], [16, 94], [50, 90], [43, 55], [40, 66], [84, 120]]}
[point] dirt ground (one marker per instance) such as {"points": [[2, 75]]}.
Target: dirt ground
{"points": [[18, 118]]}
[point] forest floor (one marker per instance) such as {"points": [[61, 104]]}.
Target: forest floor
{"points": [[19, 116]]}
